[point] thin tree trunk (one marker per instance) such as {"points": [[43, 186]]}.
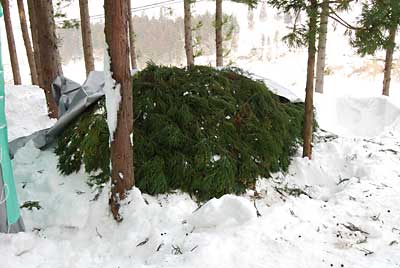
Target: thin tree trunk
{"points": [[188, 33], [86, 36], [323, 30], [35, 39], [11, 42], [116, 31], [27, 42], [218, 33], [389, 61], [48, 51], [132, 37], [308, 107]]}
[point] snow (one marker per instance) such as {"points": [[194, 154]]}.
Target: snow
{"points": [[228, 210], [342, 211], [113, 96], [25, 111]]}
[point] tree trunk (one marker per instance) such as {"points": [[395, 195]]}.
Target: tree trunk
{"points": [[188, 33], [132, 46], [218, 33], [27, 42], [116, 31], [86, 36], [323, 30], [308, 107], [11, 42], [35, 39], [48, 51], [389, 61]]}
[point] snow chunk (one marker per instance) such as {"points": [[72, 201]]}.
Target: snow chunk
{"points": [[113, 96], [225, 211]]}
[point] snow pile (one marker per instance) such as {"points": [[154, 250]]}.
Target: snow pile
{"points": [[25, 111], [357, 117], [226, 211]]}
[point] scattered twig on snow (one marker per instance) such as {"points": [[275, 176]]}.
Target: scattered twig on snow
{"points": [[176, 250], [366, 251], [258, 212], [194, 248], [160, 246], [22, 253], [354, 228], [143, 242], [98, 233]]}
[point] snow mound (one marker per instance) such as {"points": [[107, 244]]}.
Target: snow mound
{"points": [[25, 110], [228, 210], [357, 117]]}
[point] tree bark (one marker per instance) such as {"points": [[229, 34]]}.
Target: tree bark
{"points": [[116, 31], [27, 42], [188, 33], [11, 42], [218, 33], [323, 32], [132, 37], [86, 36], [48, 51], [389, 61], [308, 107], [35, 39]]}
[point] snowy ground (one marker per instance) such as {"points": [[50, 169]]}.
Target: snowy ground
{"points": [[346, 215]]}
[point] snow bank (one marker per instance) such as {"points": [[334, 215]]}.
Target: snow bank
{"points": [[356, 117], [226, 211], [26, 111]]}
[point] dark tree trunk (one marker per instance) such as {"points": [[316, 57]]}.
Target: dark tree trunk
{"points": [[188, 33], [389, 61], [27, 42], [218, 34], [323, 32], [35, 39], [48, 51], [11, 42], [116, 31], [308, 108], [132, 46], [86, 36]]}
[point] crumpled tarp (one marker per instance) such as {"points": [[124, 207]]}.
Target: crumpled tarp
{"points": [[72, 100]]}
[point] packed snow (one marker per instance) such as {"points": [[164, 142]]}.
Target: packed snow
{"points": [[26, 111]]}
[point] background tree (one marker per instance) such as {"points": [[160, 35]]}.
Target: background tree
{"points": [[187, 21], [116, 32], [219, 23], [27, 42], [11, 42], [48, 51], [132, 38], [86, 36], [304, 36], [377, 30], [322, 39], [35, 38], [218, 33]]}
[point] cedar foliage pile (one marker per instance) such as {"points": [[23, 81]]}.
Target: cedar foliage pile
{"points": [[204, 131]]}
